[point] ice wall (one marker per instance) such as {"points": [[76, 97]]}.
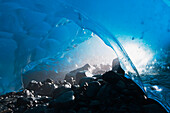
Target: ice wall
{"points": [[36, 34], [33, 32]]}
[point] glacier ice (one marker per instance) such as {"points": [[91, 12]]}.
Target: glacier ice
{"points": [[37, 35]]}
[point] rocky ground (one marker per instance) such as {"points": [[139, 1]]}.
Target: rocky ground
{"points": [[110, 92]]}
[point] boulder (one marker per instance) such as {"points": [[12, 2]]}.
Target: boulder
{"points": [[86, 79], [64, 101], [116, 67], [73, 73], [59, 91], [111, 77], [82, 74], [34, 85], [93, 88]]}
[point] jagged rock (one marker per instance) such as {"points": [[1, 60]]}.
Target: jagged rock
{"points": [[22, 101], [111, 77], [59, 91], [39, 109], [28, 93], [92, 88], [134, 108], [34, 85], [47, 89], [99, 76], [94, 103], [104, 92], [84, 110], [49, 81], [120, 85], [65, 97], [86, 79], [82, 74], [111, 92], [63, 101], [71, 80], [116, 67], [153, 108], [85, 68]]}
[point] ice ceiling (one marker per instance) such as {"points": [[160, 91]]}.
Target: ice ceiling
{"points": [[37, 34]]}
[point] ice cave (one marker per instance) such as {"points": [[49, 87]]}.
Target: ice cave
{"points": [[54, 39]]}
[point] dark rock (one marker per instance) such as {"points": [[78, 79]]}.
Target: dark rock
{"points": [[28, 93], [84, 110], [22, 101], [67, 85], [11, 106], [75, 87], [104, 92], [47, 89], [63, 101], [116, 67], [71, 80], [44, 99], [121, 85], [66, 97], [52, 110], [94, 103], [49, 81], [97, 76], [73, 73], [93, 88], [86, 79], [34, 85], [39, 109], [134, 108], [82, 74], [153, 108], [111, 77], [60, 90], [123, 109]]}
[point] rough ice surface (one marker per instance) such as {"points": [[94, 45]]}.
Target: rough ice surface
{"points": [[39, 36]]}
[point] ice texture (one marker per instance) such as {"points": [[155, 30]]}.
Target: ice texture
{"points": [[36, 34]]}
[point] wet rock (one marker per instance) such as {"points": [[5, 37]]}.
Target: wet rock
{"points": [[39, 109], [8, 110], [82, 74], [73, 73], [75, 87], [116, 67], [86, 79], [66, 97], [153, 108], [49, 81], [120, 85], [111, 77], [134, 108], [94, 103], [34, 85], [71, 80], [84, 110], [28, 93], [63, 101], [67, 85], [93, 88], [47, 89], [60, 90], [99, 76], [22, 102], [111, 92], [104, 92], [44, 99]]}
